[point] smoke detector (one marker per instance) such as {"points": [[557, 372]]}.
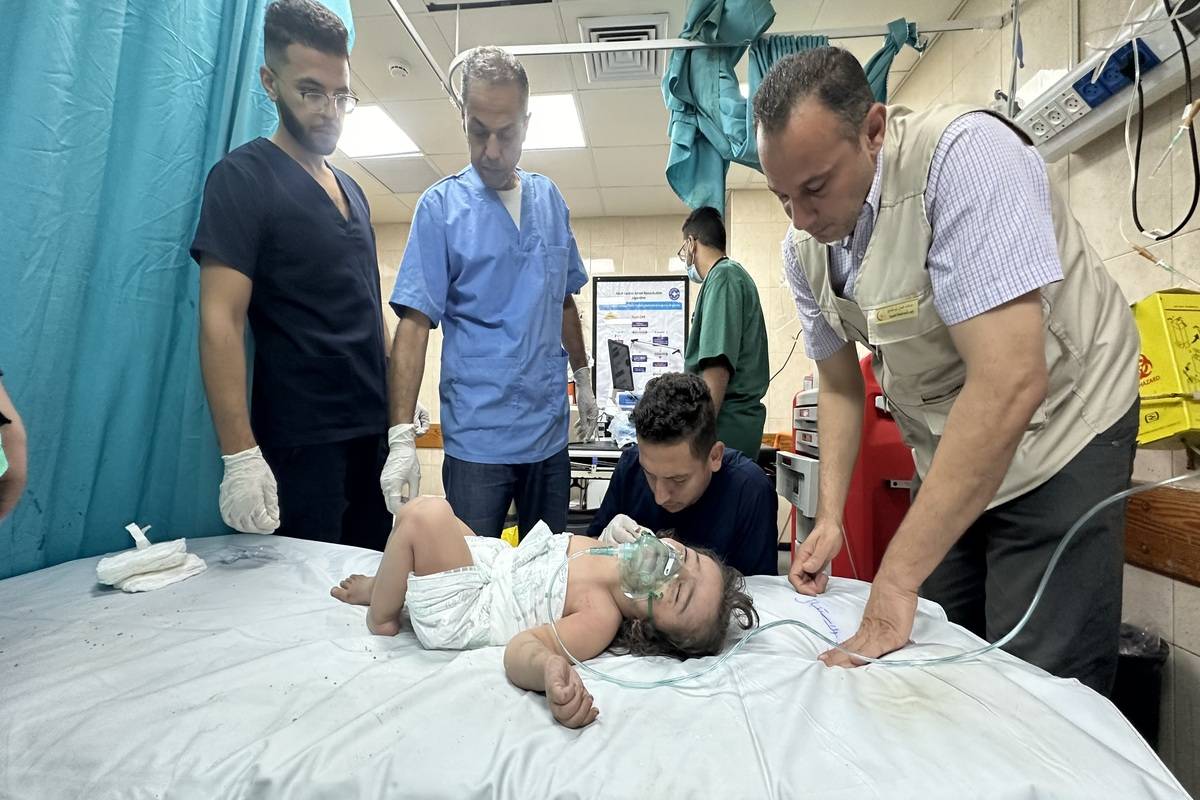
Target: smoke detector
{"points": [[398, 68]]}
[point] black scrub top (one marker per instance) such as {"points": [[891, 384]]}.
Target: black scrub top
{"points": [[320, 369]]}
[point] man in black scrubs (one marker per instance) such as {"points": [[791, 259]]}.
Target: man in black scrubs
{"points": [[680, 478], [285, 240]]}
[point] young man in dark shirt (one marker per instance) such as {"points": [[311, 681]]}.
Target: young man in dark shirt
{"points": [[285, 241], [679, 477]]}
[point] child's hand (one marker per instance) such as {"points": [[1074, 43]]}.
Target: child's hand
{"points": [[569, 701]]}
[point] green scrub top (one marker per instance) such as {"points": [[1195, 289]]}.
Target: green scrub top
{"points": [[728, 323]]}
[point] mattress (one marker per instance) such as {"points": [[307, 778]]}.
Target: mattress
{"points": [[249, 680]]}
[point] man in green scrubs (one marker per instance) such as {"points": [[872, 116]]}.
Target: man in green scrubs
{"points": [[727, 345]]}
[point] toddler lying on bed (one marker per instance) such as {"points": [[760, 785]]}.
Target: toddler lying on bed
{"points": [[465, 591]]}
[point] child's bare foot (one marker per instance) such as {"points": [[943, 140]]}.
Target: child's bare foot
{"points": [[355, 590]]}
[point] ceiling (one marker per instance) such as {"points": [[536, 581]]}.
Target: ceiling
{"points": [[620, 171]]}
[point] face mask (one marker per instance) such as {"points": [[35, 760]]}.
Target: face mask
{"points": [[3, 460], [689, 261]]}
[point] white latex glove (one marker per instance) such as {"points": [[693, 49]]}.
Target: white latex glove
{"points": [[585, 398], [619, 530], [421, 419], [249, 497], [401, 478]]}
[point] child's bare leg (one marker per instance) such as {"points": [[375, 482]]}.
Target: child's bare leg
{"points": [[426, 539]]}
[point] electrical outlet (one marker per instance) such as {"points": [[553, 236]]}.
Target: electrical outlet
{"points": [[1093, 94], [1054, 115], [1073, 104], [1121, 69], [1039, 128]]}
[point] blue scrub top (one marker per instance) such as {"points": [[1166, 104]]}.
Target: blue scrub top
{"points": [[498, 294], [735, 517]]}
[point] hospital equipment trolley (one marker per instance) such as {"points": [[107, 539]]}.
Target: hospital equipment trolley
{"points": [[880, 487]]}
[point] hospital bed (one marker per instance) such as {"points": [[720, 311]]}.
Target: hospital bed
{"points": [[250, 681]]}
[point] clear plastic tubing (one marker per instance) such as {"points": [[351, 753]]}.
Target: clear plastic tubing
{"points": [[967, 655]]}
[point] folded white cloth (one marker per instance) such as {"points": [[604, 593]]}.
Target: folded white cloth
{"points": [[192, 565], [148, 566]]}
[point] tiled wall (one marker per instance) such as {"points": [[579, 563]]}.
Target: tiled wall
{"points": [[967, 67]]}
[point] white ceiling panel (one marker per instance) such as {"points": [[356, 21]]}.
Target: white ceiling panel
{"points": [[538, 24], [450, 164], [641, 201], [388, 208], [380, 40], [569, 169], [434, 125], [359, 87], [408, 198], [881, 12], [631, 166], [624, 117], [370, 185], [798, 15], [584, 202], [411, 174], [381, 8]]}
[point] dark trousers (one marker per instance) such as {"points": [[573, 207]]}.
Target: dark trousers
{"points": [[330, 492], [990, 575], [481, 493]]}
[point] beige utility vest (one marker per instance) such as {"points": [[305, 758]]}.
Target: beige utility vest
{"points": [[1091, 341]]}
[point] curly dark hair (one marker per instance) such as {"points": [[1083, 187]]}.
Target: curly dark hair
{"points": [[677, 407], [831, 74], [640, 637], [303, 22]]}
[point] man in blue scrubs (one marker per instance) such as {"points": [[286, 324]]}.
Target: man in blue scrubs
{"points": [[285, 240], [681, 478], [491, 258]]}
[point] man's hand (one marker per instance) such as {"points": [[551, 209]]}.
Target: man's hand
{"points": [[401, 476], [585, 398], [249, 497], [570, 702], [886, 625], [619, 530], [809, 573]]}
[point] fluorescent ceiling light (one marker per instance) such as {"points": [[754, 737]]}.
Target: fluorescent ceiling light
{"points": [[597, 266], [369, 132], [554, 123]]}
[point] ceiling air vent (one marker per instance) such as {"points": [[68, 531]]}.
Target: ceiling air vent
{"points": [[629, 65]]}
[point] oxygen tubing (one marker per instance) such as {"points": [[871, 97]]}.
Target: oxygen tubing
{"points": [[967, 655]]}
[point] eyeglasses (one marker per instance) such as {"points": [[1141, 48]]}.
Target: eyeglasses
{"points": [[681, 255], [317, 102]]}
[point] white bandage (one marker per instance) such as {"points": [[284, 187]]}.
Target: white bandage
{"points": [[148, 566]]}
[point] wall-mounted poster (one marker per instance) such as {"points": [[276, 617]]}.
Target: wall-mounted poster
{"points": [[639, 329]]}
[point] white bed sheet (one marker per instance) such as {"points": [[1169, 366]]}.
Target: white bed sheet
{"points": [[250, 681]]}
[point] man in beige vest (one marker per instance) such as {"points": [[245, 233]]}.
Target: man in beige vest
{"points": [[1007, 354]]}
